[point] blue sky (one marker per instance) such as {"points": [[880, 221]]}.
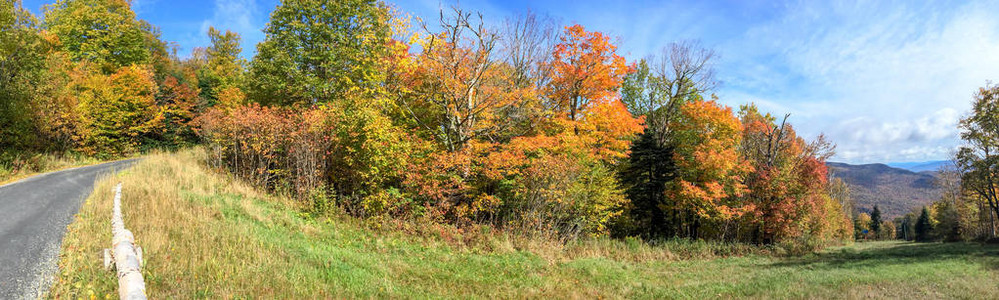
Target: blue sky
{"points": [[887, 81]]}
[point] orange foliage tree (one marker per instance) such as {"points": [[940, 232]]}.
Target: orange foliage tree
{"points": [[789, 186], [709, 169], [458, 91], [585, 68]]}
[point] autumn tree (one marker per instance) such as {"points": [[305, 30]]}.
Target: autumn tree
{"points": [[459, 91], [662, 84], [709, 170], [840, 192], [956, 211], [221, 75], [862, 225], [978, 159], [318, 51], [525, 47], [104, 32], [585, 69], [117, 111], [887, 230], [56, 102], [22, 62], [657, 93], [789, 182], [177, 98]]}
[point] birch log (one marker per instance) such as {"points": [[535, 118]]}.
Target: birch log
{"points": [[125, 254]]}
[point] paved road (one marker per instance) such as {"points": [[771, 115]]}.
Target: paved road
{"points": [[34, 213]]}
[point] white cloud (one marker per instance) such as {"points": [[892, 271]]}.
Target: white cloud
{"points": [[240, 16], [233, 15], [884, 80], [887, 81]]}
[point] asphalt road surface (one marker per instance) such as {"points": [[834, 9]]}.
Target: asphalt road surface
{"points": [[34, 213]]}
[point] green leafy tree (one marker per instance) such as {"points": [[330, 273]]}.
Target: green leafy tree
{"points": [[104, 32], [924, 226], [657, 89], [221, 75], [21, 64], [319, 51], [978, 159]]}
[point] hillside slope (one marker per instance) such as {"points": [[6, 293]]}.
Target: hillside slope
{"points": [[206, 236], [896, 191]]}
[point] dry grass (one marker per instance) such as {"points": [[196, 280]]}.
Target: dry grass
{"points": [[206, 236], [163, 204], [41, 163]]}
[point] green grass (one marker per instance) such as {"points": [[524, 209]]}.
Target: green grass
{"points": [[205, 236]]}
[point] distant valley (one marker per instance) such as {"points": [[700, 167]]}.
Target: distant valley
{"points": [[896, 188]]}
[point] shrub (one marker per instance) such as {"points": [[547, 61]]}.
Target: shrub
{"points": [[326, 151]]}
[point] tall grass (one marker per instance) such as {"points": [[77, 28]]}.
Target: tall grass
{"points": [[207, 236]]}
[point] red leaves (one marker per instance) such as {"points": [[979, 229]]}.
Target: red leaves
{"points": [[789, 184]]}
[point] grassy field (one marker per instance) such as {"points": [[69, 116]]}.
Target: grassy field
{"points": [[205, 236]]}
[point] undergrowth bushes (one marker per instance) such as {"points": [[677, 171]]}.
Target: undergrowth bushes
{"points": [[360, 163]]}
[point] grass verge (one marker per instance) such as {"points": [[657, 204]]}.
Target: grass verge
{"points": [[41, 163], [206, 236]]}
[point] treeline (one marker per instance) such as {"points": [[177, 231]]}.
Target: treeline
{"points": [[969, 205], [526, 126], [93, 79]]}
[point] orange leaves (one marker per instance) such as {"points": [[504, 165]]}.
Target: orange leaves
{"points": [[611, 128], [457, 91], [302, 150], [585, 68], [710, 168], [789, 184], [586, 74]]}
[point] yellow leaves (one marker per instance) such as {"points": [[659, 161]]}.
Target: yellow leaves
{"points": [[231, 97], [711, 169], [116, 110]]}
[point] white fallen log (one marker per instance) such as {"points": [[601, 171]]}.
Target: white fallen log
{"points": [[125, 254]]}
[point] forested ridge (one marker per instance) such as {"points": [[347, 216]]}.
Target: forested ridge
{"points": [[529, 126], [896, 191]]}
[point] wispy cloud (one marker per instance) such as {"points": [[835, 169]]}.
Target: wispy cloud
{"points": [[886, 81], [241, 16], [140, 6]]}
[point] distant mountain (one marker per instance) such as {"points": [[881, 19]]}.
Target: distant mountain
{"points": [[896, 191], [922, 166]]}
